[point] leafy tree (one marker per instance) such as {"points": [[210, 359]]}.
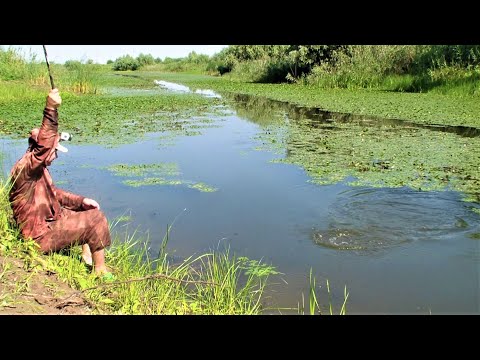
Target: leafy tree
{"points": [[143, 60], [124, 63], [195, 58]]}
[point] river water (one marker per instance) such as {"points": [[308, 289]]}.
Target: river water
{"points": [[396, 249]]}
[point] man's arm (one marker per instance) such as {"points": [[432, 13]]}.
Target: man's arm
{"points": [[69, 200], [48, 131], [75, 202]]}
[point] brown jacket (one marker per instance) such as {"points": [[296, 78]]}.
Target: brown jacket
{"points": [[34, 198]]}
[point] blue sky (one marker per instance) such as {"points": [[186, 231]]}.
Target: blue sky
{"points": [[102, 53]]}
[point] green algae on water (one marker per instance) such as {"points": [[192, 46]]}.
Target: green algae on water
{"points": [[155, 174]]}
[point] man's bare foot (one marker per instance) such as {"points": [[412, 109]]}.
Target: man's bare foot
{"points": [[100, 270], [87, 254]]}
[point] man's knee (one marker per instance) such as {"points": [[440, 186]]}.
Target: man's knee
{"points": [[97, 217], [101, 237]]}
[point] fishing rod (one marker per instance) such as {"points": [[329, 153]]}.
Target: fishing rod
{"points": [[48, 66]]}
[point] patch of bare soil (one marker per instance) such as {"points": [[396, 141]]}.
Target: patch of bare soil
{"points": [[36, 291]]}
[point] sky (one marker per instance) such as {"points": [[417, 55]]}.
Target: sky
{"points": [[101, 53]]}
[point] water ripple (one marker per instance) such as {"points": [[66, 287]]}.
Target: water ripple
{"points": [[371, 219]]}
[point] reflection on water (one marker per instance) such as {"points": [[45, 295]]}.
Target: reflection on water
{"points": [[257, 109], [172, 86], [182, 88]]}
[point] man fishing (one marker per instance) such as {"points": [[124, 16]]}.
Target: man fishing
{"points": [[52, 217]]}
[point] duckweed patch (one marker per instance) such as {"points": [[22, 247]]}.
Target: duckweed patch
{"points": [[152, 181], [161, 181], [202, 187], [167, 169], [156, 174]]}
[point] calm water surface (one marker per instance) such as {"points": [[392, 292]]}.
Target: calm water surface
{"points": [[397, 250]]}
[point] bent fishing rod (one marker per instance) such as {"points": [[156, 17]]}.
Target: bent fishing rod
{"points": [[48, 67], [63, 135]]}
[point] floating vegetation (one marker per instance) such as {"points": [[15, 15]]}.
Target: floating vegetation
{"points": [[166, 169], [202, 187], [385, 155], [155, 174], [273, 141], [152, 181], [161, 181]]}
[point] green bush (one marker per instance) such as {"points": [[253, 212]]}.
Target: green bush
{"points": [[125, 63], [143, 60]]}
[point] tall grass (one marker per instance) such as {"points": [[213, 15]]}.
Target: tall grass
{"points": [[81, 77], [313, 303], [8, 232], [228, 272], [27, 72], [20, 78], [448, 80], [452, 70], [362, 66], [14, 66]]}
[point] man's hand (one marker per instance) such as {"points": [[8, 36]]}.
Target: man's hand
{"points": [[34, 134], [53, 99], [88, 204]]}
